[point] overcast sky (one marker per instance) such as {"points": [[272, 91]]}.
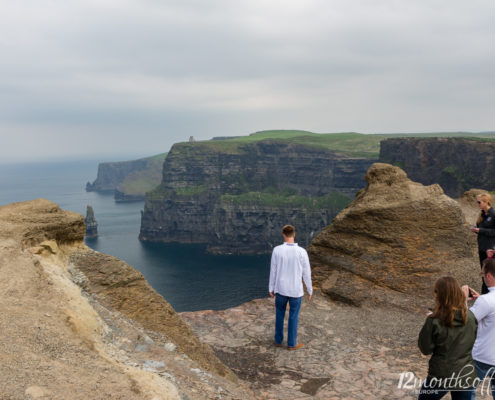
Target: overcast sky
{"points": [[131, 77]]}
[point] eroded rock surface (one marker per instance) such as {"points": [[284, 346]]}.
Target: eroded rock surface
{"points": [[120, 287], [349, 353], [392, 242], [76, 324]]}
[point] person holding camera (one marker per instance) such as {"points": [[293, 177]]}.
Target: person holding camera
{"points": [[484, 311], [448, 334]]}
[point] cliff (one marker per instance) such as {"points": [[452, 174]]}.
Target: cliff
{"points": [[456, 164], [237, 196], [392, 242], [128, 180], [82, 324]]}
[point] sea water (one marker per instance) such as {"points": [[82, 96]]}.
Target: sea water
{"points": [[185, 275]]}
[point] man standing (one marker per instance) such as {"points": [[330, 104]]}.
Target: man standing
{"points": [[484, 311], [289, 266]]}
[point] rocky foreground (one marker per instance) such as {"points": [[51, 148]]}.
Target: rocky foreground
{"points": [[77, 324], [349, 353]]}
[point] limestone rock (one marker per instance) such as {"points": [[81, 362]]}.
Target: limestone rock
{"points": [[64, 322], [349, 353], [39, 220], [119, 286], [391, 243]]}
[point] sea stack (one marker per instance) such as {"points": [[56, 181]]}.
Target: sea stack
{"points": [[91, 224]]}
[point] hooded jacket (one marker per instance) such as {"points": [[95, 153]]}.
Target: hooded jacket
{"points": [[450, 349]]}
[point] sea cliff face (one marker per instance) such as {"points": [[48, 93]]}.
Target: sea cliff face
{"points": [[128, 180], [112, 174], [236, 198], [456, 164]]}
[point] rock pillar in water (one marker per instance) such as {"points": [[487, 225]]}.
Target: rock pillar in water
{"points": [[91, 224]]}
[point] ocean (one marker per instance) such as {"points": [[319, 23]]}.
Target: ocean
{"points": [[185, 275]]}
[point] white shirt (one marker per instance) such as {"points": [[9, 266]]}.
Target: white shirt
{"points": [[484, 311], [289, 266]]}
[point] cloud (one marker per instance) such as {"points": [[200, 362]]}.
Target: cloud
{"points": [[170, 69]]}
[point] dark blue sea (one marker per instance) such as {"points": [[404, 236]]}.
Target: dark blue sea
{"points": [[185, 275]]}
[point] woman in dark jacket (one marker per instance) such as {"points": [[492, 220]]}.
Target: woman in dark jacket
{"points": [[485, 228], [449, 334]]}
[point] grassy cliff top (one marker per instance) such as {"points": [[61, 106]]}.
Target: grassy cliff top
{"points": [[349, 143], [142, 181]]}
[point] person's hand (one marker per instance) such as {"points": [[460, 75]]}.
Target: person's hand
{"points": [[469, 293], [475, 230], [474, 294], [272, 295], [309, 297]]}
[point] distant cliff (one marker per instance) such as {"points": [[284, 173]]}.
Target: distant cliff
{"points": [[236, 196], [456, 164], [128, 180]]}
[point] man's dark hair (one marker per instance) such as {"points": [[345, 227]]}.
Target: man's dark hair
{"points": [[489, 266], [289, 231]]}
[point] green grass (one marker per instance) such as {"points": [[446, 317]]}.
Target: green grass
{"points": [[348, 143], [191, 190], [272, 134], [333, 200], [140, 182], [352, 144]]}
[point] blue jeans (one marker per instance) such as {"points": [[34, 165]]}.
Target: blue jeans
{"points": [[428, 393], [294, 307], [486, 370]]}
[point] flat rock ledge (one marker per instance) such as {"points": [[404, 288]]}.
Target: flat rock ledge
{"points": [[349, 353]]}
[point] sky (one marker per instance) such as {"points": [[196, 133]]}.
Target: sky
{"points": [[128, 78]]}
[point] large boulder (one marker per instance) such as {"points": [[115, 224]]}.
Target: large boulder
{"points": [[392, 242]]}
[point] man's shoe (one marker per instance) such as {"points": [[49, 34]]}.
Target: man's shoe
{"points": [[278, 344], [297, 346]]}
